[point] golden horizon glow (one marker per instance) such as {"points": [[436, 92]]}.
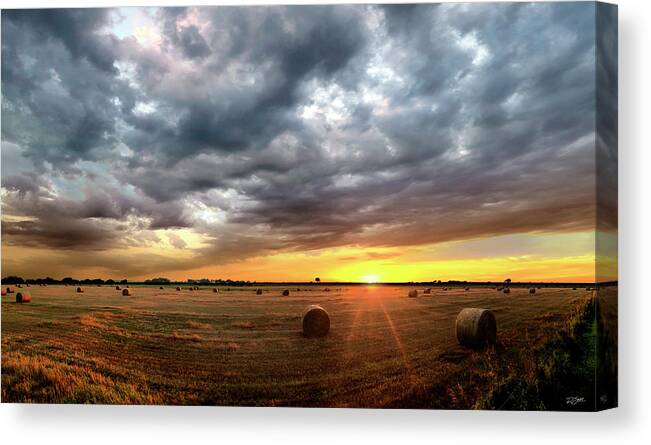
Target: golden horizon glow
{"points": [[532, 257]]}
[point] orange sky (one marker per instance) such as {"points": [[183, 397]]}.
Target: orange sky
{"points": [[535, 257]]}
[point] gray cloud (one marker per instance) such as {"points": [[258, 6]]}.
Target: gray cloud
{"points": [[301, 127]]}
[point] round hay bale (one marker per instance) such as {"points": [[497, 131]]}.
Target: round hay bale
{"points": [[476, 327], [80, 290], [532, 290], [316, 322], [19, 286], [466, 289], [215, 290], [23, 297], [126, 292], [286, 293], [196, 288], [327, 289], [428, 291], [178, 288], [161, 288], [574, 288], [258, 291], [413, 293], [445, 288], [118, 288], [507, 290]]}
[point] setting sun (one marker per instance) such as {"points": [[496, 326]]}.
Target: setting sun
{"points": [[371, 278]]}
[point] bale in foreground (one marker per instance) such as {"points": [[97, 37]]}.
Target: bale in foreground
{"points": [[285, 293], [126, 292], [80, 290], [23, 297], [413, 293], [258, 292], [532, 290], [316, 322], [476, 327]]}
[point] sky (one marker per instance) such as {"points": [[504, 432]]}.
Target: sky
{"points": [[354, 143]]}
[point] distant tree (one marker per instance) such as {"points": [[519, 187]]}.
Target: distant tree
{"points": [[68, 280], [508, 280], [110, 281], [13, 280], [158, 280], [123, 281]]}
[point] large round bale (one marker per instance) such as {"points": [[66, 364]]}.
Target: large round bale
{"points": [[80, 290], [215, 290], [445, 288], [428, 290], [466, 289], [161, 287], [532, 290], [118, 288], [178, 288], [327, 289], [23, 297], [126, 292], [316, 322], [507, 290], [19, 286], [258, 291], [476, 327], [413, 293], [286, 293]]}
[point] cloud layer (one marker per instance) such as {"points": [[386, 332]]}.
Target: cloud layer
{"points": [[274, 129]]}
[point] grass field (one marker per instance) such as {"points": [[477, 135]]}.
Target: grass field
{"points": [[238, 348]]}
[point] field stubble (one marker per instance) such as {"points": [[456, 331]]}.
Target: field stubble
{"points": [[238, 348]]}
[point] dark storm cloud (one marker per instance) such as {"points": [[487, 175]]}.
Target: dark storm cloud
{"points": [[75, 28], [304, 127]]}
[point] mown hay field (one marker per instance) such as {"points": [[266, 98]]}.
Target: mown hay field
{"points": [[238, 348]]}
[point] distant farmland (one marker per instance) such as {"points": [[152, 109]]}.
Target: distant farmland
{"points": [[238, 348]]}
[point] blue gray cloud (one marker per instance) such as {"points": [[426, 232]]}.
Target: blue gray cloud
{"points": [[300, 127]]}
